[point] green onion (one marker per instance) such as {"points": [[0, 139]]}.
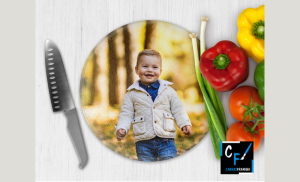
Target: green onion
{"points": [[214, 135], [222, 111]]}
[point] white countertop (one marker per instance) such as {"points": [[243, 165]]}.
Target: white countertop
{"points": [[76, 27]]}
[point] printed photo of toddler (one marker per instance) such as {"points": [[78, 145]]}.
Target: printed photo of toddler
{"points": [[139, 92], [152, 106]]}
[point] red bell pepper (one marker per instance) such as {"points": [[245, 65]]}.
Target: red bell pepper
{"points": [[224, 66]]}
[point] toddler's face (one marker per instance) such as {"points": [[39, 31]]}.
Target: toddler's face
{"points": [[149, 69]]}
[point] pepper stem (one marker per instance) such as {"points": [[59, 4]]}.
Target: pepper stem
{"points": [[259, 29], [221, 61]]}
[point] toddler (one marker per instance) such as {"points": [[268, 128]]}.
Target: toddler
{"points": [[152, 106]]}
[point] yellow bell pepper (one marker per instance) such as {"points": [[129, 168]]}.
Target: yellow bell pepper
{"points": [[251, 34]]}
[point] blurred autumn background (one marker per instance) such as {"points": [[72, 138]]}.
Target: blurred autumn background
{"points": [[109, 71]]}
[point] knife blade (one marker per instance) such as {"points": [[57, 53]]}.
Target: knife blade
{"points": [[61, 98]]}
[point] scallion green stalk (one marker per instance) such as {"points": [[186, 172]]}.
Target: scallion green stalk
{"points": [[213, 135], [223, 117]]}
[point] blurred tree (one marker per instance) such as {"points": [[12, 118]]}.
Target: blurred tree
{"points": [[149, 33], [94, 90], [101, 80], [113, 67], [127, 55]]}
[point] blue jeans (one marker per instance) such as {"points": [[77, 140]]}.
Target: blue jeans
{"points": [[156, 149]]}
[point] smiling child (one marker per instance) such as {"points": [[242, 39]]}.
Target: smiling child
{"points": [[153, 107]]}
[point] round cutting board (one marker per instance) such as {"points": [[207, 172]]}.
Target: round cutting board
{"points": [[110, 69]]}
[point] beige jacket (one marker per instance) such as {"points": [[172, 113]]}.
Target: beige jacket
{"points": [[150, 118]]}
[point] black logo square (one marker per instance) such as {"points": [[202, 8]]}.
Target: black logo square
{"points": [[236, 157]]}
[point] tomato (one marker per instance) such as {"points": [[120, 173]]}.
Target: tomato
{"points": [[242, 96], [237, 132]]}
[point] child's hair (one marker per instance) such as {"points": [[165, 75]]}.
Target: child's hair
{"points": [[148, 52]]}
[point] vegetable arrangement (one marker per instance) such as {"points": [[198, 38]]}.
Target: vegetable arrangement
{"points": [[222, 68]]}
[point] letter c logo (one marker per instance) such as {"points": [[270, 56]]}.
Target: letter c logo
{"points": [[228, 147]]}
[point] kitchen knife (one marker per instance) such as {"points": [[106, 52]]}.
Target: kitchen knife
{"points": [[61, 98]]}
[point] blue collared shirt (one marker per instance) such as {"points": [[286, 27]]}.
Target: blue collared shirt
{"points": [[152, 89]]}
